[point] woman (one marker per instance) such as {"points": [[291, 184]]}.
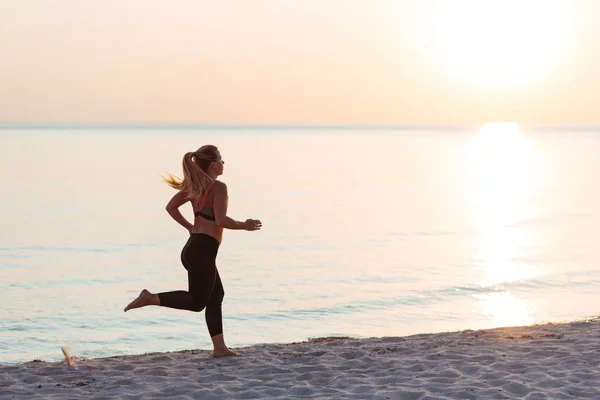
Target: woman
{"points": [[209, 202]]}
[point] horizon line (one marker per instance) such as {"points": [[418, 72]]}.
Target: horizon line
{"points": [[158, 126]]}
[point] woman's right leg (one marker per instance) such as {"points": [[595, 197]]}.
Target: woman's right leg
{"points": [[201, 280], [198, 257]]}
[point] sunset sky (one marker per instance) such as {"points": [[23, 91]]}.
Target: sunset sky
{"points": [[300, 61]]}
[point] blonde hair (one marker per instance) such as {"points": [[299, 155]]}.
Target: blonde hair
{"points": [[195, 171]]}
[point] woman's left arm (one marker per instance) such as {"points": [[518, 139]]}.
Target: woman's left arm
{"points": [[177, 201]]}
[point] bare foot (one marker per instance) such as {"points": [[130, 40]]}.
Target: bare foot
{"points": [[144, 299], [224, 353]]}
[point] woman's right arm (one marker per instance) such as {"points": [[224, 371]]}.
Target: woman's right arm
{"points": [[220, 204], [177, 201]]}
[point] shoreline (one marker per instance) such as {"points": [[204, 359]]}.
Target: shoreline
{"points": [[541, 361]]}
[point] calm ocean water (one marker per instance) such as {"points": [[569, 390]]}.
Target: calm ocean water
{"points": [[366, 233]]}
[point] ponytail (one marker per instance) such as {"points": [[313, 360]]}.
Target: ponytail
{"points": [[195, 179]]}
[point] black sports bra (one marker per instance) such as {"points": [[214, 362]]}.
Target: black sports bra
{"points": [[206, 209]]}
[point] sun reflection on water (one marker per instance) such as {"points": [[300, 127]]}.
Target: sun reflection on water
{"points": [[502, 177], [505, 309]]}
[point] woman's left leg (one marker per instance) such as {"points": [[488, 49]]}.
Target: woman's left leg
{"points": [[214, 312], [214, 320]]}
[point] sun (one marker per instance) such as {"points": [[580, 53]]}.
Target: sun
{"points": [[493, 43]]}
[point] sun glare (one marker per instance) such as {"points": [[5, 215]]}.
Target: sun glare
{"points": [[493, 43], [501, 170], [505, 309], [502, 176]]}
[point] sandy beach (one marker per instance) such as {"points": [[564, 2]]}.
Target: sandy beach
{"points": [[550, 361]]}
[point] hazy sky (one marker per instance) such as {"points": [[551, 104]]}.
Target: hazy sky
{"points": [[300, 61]]}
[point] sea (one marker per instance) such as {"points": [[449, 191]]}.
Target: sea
{"points": [[368, 231]]}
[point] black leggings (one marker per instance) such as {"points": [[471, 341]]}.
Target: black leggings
{"points": [[205, 288]]}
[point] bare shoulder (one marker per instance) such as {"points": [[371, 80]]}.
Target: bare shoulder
{"points": [[220, 187]]}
